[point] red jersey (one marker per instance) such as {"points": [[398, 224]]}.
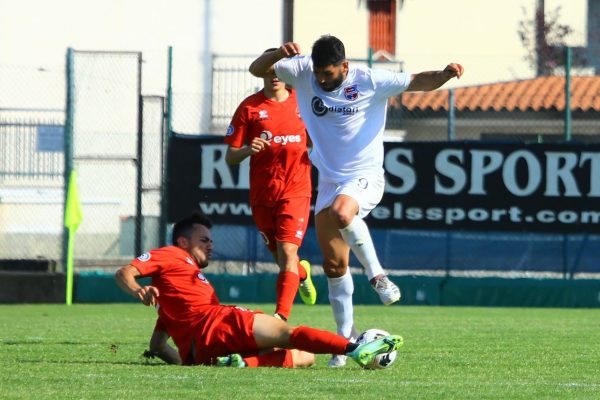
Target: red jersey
{"points": [[186, 298], [282, 170]]}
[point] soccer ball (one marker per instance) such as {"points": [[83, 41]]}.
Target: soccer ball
{"points": [[380, 361]]}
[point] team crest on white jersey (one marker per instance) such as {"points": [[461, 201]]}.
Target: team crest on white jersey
{"points": [[144, 257], [351, 92], [263, 114]]}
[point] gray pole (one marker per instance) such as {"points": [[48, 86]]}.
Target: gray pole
{"points": [[68, 144], [451, 116], [140, 146], [568, 57], [164, 202]]}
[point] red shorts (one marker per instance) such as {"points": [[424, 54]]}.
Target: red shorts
{"points": [[228, 331], [286, 221]]}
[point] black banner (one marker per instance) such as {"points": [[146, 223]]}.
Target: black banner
{"points": [[430, 185]]}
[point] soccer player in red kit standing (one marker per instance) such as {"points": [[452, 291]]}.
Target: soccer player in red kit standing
{"points": [[203, 329], [267, 128]]}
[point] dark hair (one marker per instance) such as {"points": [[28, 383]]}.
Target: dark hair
{"points": [[184, 226], [328, 50]]}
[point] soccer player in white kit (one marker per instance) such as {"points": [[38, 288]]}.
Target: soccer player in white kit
{"points": [[344, 110]]}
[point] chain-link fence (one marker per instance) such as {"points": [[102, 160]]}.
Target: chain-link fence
{"points": [[118, 150], [115, 144]]}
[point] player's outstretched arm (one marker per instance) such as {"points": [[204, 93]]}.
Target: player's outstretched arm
{"points": [[262, 67], [431, 80]]}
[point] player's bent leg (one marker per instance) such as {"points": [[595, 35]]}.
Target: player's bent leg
{"points": [[288, 280], [302, 359], [270, 332], [355, 233], [282, 358]]}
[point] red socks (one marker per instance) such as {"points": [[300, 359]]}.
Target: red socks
{"points": [[278, 358], [287, 287], [318, 341]]}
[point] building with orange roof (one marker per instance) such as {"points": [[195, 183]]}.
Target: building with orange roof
{"points": [[530, 110]]}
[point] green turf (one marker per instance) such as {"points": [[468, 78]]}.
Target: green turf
{"points": [[93, 351]]}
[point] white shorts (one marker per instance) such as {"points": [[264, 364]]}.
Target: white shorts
{"points": [[366, 190]]}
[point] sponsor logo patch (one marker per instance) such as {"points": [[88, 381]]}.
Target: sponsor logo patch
{"points": [[230, 130], [320, 109], [266, 135], [144, 257]]}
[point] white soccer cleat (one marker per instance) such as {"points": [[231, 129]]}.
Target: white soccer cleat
{"points": [[387, 290], [337, 361]]}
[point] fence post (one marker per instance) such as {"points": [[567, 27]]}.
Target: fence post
{"points": [[139, 222], [168, 113], [370, 57], [568, 57], [68, 145], [451, 116]]}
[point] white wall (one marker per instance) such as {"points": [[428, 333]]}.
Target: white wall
{"points": [[34, 36], [480, 34], [346, 19]]}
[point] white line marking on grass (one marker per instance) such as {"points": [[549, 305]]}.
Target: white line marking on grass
{"points": [[579, 384]]}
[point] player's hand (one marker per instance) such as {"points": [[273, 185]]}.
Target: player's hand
{"points": [[258, 145], [289, 49], [455, 70], [148, 295]]}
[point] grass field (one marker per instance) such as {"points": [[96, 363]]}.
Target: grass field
{"points": [[94, 351]]}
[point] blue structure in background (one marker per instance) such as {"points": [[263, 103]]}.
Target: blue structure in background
{"points": [[441, 251]]}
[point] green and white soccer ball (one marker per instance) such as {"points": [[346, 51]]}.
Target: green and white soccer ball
{"points": [[380, 361]]}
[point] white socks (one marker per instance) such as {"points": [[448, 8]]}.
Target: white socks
{"points": [[359, 239], [340, 298]]}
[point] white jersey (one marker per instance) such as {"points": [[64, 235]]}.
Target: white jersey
{"points": [[346, 125]]}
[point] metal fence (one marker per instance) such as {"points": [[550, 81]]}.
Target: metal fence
{"points": [[117, 149]]}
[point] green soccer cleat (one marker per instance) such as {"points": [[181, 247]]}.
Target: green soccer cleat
{"points": [[307, 290], [365, 353], [233, 360]]}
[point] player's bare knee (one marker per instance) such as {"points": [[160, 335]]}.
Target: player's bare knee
{"points": [[342, 216], [334, 269], [303, 359], [288, 251]]}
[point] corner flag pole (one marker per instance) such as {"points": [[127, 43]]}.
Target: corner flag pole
{"points": [[73, 217]]}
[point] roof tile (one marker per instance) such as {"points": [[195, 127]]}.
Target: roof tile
{"points": [[543, 93]]}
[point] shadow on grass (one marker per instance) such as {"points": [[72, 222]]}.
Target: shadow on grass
{"points": [[93, 362]]}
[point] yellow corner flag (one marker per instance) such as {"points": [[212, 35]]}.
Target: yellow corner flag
{"points": [[73, 217], [73, 213]]}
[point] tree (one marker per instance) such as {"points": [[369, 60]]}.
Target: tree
{"points": [[544, 39]]}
